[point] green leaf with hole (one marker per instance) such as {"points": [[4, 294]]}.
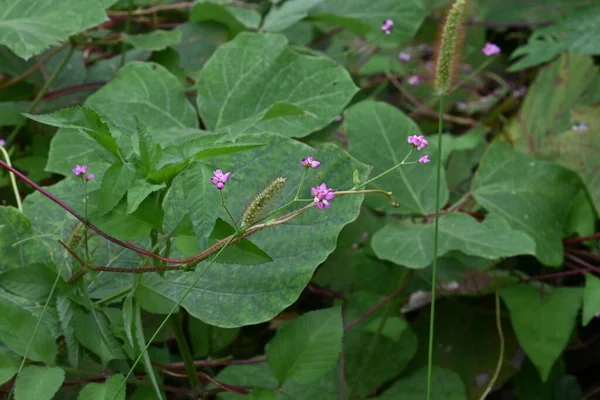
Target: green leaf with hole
{"points": [[246, 78], [234, 294], [40, 383], [533, 196], [543, 323], [377, 135], [306, 348], [411, 245]]}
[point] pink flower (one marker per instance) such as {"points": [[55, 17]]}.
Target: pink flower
{"points": [[90, 177], [490, 49], [79, 170], [424, 160], [310, 162], [387, 26], [404, 56], [323, 195], [414, 80], [418, 141], [220, 179]]}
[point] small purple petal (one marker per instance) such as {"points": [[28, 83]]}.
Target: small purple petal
{"points": [[90, 177], [225, 177], [414, 80], [404, 56], [2, 142], [424, 159], [220, 185], [314, 192], [490, 49]]}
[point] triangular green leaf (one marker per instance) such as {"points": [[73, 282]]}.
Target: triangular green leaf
{"points": [[412, 245], [542, 323], [377, 135], [139, 190], [591, 298], [307, 348], [533, 196], [39, 383], [247, 76], [117, 180]]}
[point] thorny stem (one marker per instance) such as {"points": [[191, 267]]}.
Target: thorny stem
{"points": [[41, 94], [13, 181], [435, 250]]}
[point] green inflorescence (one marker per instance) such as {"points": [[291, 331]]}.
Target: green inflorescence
{"points": [[449, 44], [256, 208]]}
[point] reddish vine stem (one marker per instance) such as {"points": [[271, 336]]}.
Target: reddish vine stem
{"points": [[382, 303], [583, 263], [552, 276], [580, 239], [211, 363]]}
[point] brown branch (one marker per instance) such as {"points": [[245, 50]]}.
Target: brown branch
{"points": [[583, 263], [422, 108], [74, 89], [33, 68], [381, 303], [580, 239], [552, 276], [211, 363]]}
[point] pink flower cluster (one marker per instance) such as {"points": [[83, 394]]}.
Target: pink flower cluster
{"points": [[323, 195], [220, 179], [310, 162], [419, 142], [80, 170], [490, 49], [387, 26]]}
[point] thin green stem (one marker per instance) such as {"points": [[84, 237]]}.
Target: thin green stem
{"points": [[85, 226], [127, 28], [109, 299], [501, 357], [237, 228], [184, 349], [35, 330], [173, 309], [483, 65], [435, 248], [13, 181], [301, 183], [386, 171], [41, 94]]}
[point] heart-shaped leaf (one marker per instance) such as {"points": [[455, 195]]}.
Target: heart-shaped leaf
{"points": [[542, 323]]}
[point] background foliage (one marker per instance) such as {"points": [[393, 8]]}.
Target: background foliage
{"points": [[153, 95]]}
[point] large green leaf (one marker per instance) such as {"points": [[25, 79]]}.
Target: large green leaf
{"points": [[236, 18], [533, 196], [16, 330], [148, 92], [40, 383], [307, 348], [579, 150], [411, 245], [230, 295], [286, 15], [591, 298], [327, 388], [257, 83], [575, 33], [104, 391], [365, 17], [391, 339], [377, 135], [8, 367], [32, 281], [29, 27], [66, 315], [93, 332], [18, 244], [542, 323], [198, 43], [569, 81], [117, 180], [445, 385]]}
